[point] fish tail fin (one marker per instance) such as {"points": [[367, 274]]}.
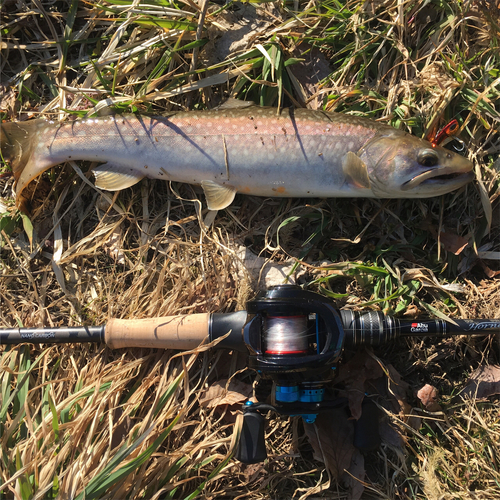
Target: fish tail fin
{"points": [[17, 142]]}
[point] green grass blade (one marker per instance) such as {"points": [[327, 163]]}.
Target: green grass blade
{"points": [[55, 423], [162, 401], [106, 479]]}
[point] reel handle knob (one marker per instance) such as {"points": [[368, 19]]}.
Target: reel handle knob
{"points": [[252, 446]]}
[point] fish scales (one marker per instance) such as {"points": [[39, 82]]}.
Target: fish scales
{"points": [[253, 150], [259, 147]]}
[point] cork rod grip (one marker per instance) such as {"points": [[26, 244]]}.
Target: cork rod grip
{"points": [[182, 332]]}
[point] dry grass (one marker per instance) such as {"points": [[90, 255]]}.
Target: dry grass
{"points": [[83, 421]]}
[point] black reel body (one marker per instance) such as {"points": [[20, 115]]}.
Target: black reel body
{"points": [[295, 338], [292, 330]]}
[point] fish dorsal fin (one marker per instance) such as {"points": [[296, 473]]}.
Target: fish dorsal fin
{"points": [[218, 196], [114, 177], [233, 103], [355, 171]]}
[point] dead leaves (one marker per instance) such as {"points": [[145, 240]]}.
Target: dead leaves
{"points": [[484, 382], [221, 393], [449, 240], [456, 244], [429, 396], [113, 246], [355, 374], [332, 436], [452, 242]]}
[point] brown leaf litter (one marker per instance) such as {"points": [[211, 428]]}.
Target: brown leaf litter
{"points": [[483, 383], [332, 434]]}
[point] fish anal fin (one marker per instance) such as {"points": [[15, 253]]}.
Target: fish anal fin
{"points": [[218, 196], [355, 171], [115, 177]]}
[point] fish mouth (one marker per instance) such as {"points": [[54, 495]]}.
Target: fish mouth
{"points": [[435, 178]]}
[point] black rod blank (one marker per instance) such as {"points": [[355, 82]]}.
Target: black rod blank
{"points": [[375, 328], [78, 334]]}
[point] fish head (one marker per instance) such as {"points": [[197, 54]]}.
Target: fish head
{"points": [[404, 166]]}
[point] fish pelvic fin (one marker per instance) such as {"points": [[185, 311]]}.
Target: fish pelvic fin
{"points": [[17, 142], [115, 177], [355, 171], [218, 196]]}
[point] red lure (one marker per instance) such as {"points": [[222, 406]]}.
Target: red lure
{"points": [[446, 131]]}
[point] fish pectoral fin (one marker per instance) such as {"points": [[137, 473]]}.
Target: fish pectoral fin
{"points": [[355, 171], [114, 177], [218, 196]]}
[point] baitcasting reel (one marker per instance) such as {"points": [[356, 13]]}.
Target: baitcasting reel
{"points": [[295, 339]]}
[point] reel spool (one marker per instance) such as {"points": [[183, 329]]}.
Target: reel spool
{"points": [[285, 335]]}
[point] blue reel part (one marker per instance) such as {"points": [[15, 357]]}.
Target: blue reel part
{"points": [[300, 394]]}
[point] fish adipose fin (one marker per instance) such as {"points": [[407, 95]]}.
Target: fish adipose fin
{"points": [[232, 103], [114, 177], [218, 196], [355, 171]]}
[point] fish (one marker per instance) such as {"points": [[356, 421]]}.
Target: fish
{"points": [[241, 149]]}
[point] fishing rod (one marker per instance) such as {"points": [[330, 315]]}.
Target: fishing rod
{"points": [[294, 339]]}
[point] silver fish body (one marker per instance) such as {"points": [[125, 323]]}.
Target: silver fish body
{"points": [[252, 150]]}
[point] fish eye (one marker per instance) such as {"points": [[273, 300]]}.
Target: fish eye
{"points": [[428, 158]]}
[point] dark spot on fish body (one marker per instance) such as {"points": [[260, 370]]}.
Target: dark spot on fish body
{"points": [[145, 166]]}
